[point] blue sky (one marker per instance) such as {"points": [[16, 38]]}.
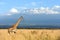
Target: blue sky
{"points": [[10, 9]]}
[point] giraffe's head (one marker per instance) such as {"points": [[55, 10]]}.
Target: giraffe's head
{"points": [[21, 17]]}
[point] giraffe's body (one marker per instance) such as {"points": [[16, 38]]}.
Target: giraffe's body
{"points": [[14, 27]]}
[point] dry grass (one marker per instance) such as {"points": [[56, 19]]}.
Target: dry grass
{"points": [[31, 34]]}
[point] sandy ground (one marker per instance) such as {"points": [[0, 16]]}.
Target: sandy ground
{"points": [[31, 34]]}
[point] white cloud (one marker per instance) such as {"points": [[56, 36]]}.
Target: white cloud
{"points": [[8, 14], [14, 10], [43, 10], [56, 6]]}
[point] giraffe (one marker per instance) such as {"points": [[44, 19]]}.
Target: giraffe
{"points": [[14, 27]]}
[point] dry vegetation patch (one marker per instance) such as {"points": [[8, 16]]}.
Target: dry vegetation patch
{"points": [[31, 34]]}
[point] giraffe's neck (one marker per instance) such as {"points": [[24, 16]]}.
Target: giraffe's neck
{"points": [[17, 23]]}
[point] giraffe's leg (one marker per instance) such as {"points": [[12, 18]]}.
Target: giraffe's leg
{"points": [[9, 32]]}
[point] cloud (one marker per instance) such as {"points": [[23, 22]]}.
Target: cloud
{"points": [[48, 10], [43, 10], [14, 10], [56, 6], [8, 14]]}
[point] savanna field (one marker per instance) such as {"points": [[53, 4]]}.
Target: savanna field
{"points": [[31, 34]]}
